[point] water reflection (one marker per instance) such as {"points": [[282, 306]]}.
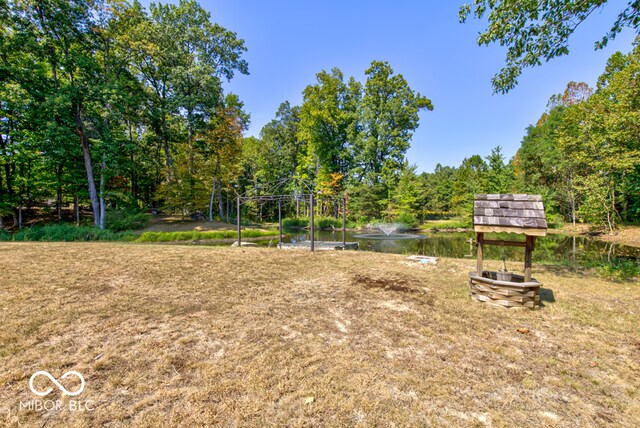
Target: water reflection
{"points": [[550, 249]]}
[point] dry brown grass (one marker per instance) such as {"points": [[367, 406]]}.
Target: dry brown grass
{"points": [[627, 235], [197, 336]]}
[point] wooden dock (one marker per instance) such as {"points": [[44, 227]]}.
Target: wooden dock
{"points": [[319, 245]]}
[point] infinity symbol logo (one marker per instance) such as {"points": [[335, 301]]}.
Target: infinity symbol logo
{"points": [[56, 383]]}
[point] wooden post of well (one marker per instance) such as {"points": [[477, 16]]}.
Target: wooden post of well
{"points": [[479, 244], [238, 221], [528, 252]]}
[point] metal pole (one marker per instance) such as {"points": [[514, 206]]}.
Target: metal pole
{"points": [[312, 226], [280, 221], [344, 223], [238, 222]]}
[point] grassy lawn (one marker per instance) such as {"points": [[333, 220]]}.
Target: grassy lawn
{"points": [[200, 336]]}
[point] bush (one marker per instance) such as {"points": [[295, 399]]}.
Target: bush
{"points": [[461, 223], [327, 223], [408, 220], [319, 222], [555, 221], [67, 232], [617, 269], [124, 219], [195, 235], [437, 215], [294, 223]]}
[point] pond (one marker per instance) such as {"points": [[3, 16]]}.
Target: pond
{"points": [[554, 248]]}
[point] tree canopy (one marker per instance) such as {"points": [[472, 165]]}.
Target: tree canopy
{"points": [[538, 30]]}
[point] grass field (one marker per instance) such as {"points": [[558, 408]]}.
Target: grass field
{"points": [[199, 336]]}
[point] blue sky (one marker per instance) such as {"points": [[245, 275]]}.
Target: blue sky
{"points": [[290, 41]]}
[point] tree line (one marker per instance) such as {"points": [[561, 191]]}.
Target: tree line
{"points": [[109, 105], [582, 155], [346, 138], [113, 105]]}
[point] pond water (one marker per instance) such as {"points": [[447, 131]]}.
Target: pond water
{"points": [[557, 249]]}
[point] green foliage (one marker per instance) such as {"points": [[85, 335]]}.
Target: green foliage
{"points": [[599, 139], [462, 223], [328, 123], [321, 223], [582, 155], [408, 219], [126, 219], [436, 189], [66, 232], [347, 138], [104, 101], [327, 223], [617, 269], [389, 117], [195, 235], [470, 178], [367, 202], [555, 220], [437, 215], [535, 31], [295, 223], [405, 203], [499, 177]]}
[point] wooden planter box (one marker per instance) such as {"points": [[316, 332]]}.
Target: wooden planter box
{"points": [[509, 294]]}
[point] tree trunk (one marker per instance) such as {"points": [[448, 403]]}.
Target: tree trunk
{"points": [[7, 166], [190, 145], [93, 194], [220, 199], [614, 210], [167, 153], [76, 208], [59, 192], [1, 224], [213, 193], [103, 207], [132, 171]]}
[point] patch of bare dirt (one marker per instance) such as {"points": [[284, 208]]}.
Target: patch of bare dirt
{"points": [[385, 283]]}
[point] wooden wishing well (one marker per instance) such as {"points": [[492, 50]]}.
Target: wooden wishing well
{"points": [[507, 213]]}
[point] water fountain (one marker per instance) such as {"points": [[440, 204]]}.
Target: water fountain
{"points": [[388, 232], [388, 228]]}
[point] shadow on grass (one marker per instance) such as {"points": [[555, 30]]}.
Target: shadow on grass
{"points": [[546, 296], [563, 270]]}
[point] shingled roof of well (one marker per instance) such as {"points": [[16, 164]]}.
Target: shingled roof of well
{"points": [[509, 210]]}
